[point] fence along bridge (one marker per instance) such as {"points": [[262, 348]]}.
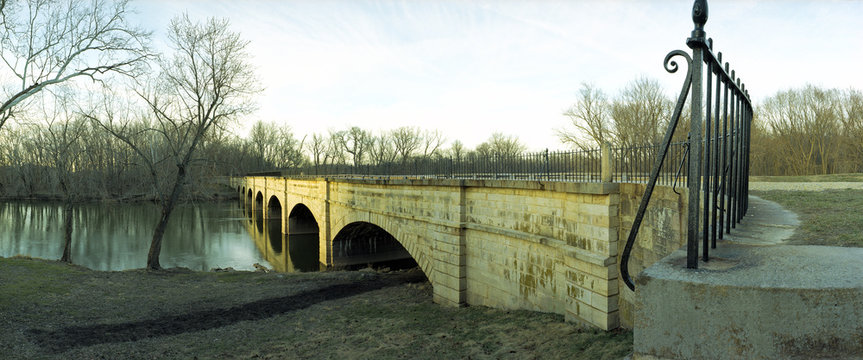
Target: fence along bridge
{"points": [[542, 231]]}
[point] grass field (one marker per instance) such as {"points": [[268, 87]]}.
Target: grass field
{"points": [[52, 310], [855, 177], [830, 217]]}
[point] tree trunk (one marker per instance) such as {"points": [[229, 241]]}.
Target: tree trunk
{"points": [[67, 234], [167, 209]]}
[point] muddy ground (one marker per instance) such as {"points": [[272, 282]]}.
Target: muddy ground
{"points": [[53, 310]]}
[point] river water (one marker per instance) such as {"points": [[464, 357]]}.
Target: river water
{"points": [[117, 236]]}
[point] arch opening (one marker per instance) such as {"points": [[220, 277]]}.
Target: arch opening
{"points": [[303, 240], [361, 244], [274, 224], [258, 210], [247, 204]]}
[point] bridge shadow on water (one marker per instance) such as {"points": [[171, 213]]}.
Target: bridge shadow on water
{"points": [[61, 340]]}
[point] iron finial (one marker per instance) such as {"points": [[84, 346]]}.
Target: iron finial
{"points": [[699, 17], [699, 14]]}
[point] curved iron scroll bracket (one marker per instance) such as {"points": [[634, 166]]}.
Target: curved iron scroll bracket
{"points": [[671, 67]]}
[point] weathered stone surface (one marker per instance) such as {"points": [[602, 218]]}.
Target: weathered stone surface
{"points": [[545, 246], [661, 233]]}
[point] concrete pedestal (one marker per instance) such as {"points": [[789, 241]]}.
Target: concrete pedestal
{"points": [[753, 302], [774, 302]]}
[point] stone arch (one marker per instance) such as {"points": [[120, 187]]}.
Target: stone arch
{"points": [[259, 200], [362, 242], [274, 224], [303, 239]]}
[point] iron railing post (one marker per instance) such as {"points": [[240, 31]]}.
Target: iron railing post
{"points": [[547, 169], [714, 221], [697, 43], [708, 178]]}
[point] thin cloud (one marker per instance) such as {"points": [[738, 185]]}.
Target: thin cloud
{"points": [[470, 68]]}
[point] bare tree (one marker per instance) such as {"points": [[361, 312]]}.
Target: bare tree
{"points": [[456, 150], [275, 146], [501, 145], [431, 142], [406, 141], [207, 83], [318, 147], [640, 113], [808, 126], [382, 150], [23, 160], [47, 42], [62, 141], [335, 151], [356, 142], [590, 119], [262, 137], [852, 125]]}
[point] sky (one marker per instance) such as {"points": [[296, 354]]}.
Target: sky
{"points": [[470, 68]]}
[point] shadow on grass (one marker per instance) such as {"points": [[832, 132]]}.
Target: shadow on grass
{"points": [[61, 340]]}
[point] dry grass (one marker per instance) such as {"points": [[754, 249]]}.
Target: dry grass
{"points": [[53, 310], [829, 217], [855, 177]]}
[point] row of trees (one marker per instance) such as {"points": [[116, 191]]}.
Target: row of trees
{"points": [[802, 131], [807, 131], [88, 95], [88, 109], [357, 146], [637, 115]]}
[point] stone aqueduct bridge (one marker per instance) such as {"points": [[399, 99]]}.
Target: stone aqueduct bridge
{"points": [[512, 244]]}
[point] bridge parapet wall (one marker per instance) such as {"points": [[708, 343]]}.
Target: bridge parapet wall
{"points": [[544, 247]]}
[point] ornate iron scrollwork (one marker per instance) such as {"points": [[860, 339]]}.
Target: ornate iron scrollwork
{"points": [[672, 67]]}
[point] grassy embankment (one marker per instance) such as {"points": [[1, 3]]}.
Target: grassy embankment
{"points": [[53, 310], [809, 178], [829, 217]]}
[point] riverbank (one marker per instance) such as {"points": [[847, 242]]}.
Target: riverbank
{"points": [[222, 195], [54, 310]]}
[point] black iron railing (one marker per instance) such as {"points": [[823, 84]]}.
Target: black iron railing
{"points": [[633, 164], [573, 166], [623, 164], [721, 104]]}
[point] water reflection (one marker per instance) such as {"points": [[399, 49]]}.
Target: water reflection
{"points": [[117, 236], [301, 242], [274, 224]]}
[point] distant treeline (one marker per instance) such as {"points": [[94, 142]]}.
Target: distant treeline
{"points": [[805, 131], [808, 131], [36, 155], [795, 132]]}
